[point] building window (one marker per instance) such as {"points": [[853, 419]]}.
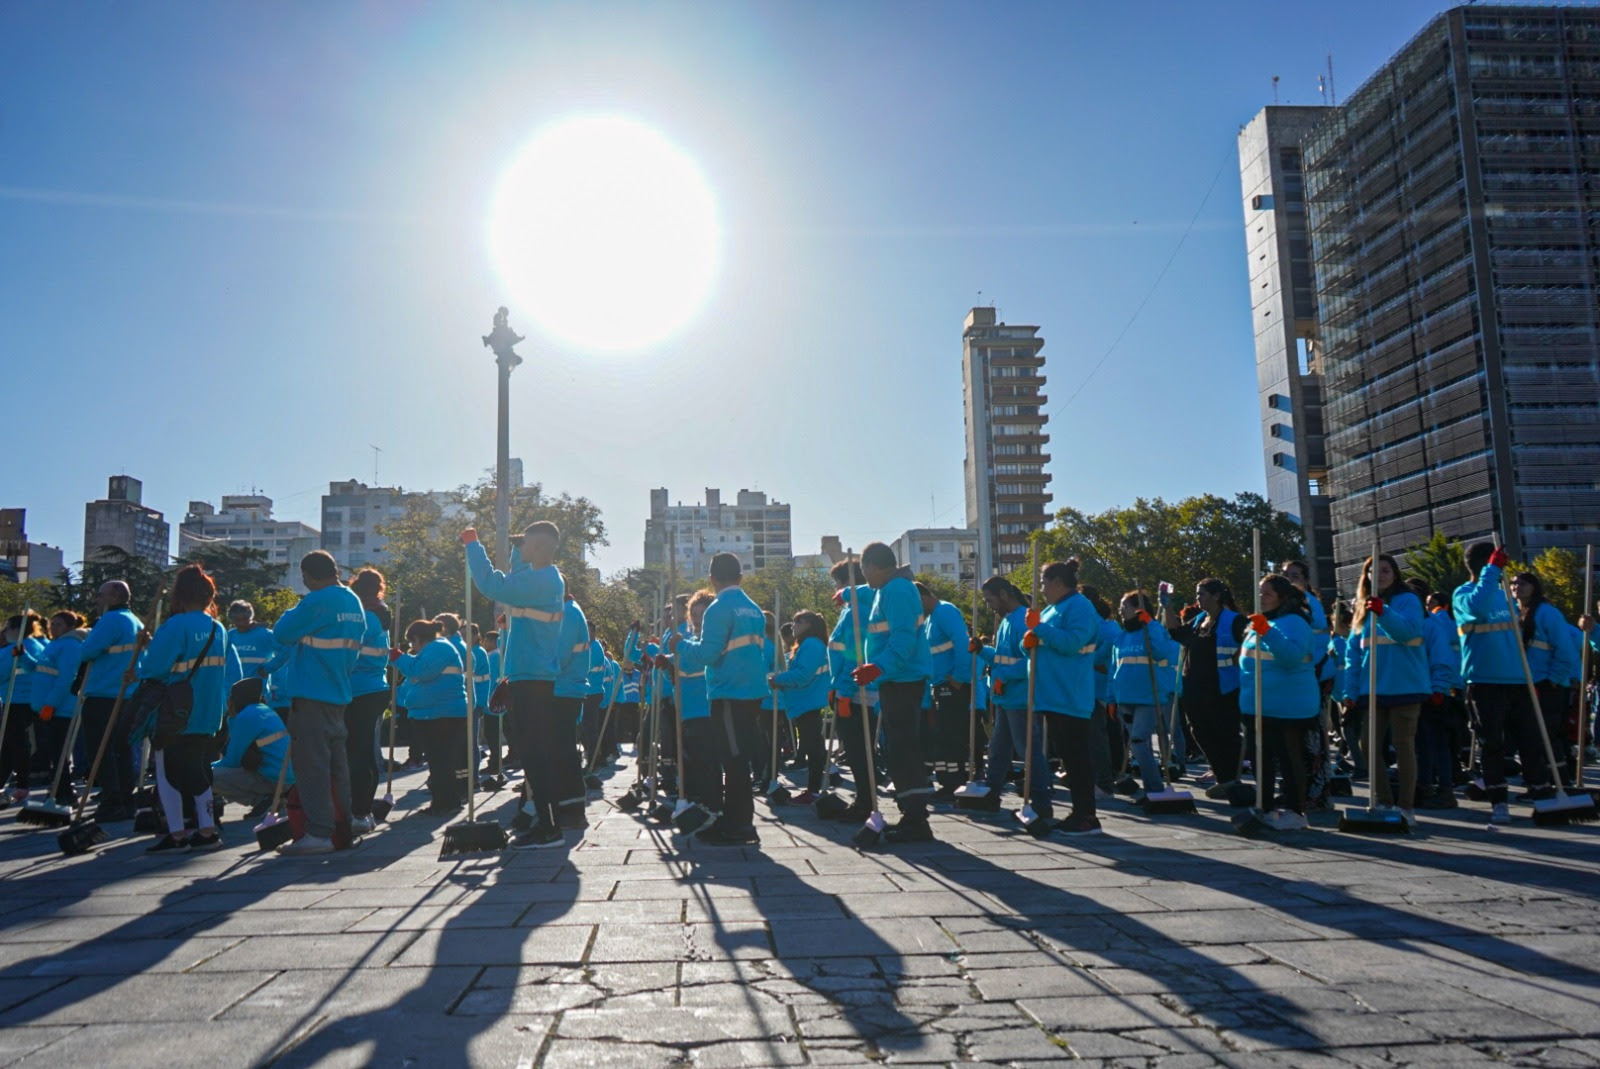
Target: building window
{"points": [[947, 547], [924, 547], [358, 538]]}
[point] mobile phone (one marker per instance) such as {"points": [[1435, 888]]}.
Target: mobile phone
{"points": [[1164, 594]]}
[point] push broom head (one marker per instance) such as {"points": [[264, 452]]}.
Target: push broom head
{"points": [[1252, 824], [663, 812], [831, 807], [274, 832], [691, 818], [473, 837], [490, 784], [592, 782], [1339, 786], [631, 799], [85, 835], [1565, 808], [778, 794], [1373, 822], [870, 837], [45, 814], [1167, 802], [382, 808]]}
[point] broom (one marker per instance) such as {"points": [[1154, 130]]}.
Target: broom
{"points": [[871, 834], [687, 817], [1564, 808], [1167, 800], [11, 686], [1253, 821], [82, 836], [382, 807], [1032, 822], [1373, 820], [635, 795], [669, 808], [473, 836], [591, 780], [496, 780], [275, 830], [974, 788], [777, 793], [1583, 674]]}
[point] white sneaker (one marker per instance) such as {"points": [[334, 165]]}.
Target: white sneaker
{"points": [[1288, 820], [1409, 816], [362, 826], [1501, 814], [306, 846]]}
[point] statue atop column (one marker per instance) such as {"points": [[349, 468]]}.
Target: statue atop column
{"points": [[501, 339]]}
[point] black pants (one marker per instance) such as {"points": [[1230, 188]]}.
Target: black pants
{"points": [[809, 726], [16, 749], [361, 718], [702, 779], [1072, 738], [595, 744], [445, 742], [754, 739], [1553, 702], [1497, 710], [946, 736], [53, 740], [857, 753], [534, 725], [1287, 758], [568, 765], [115, 778], [1214, 724], [625, 722], [733, 722], [902, 716]]}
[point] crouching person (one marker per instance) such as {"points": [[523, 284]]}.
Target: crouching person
{"points": [[258, 749]]}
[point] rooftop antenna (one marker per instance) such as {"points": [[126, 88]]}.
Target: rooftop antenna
{"points": [[375, 452], [1274, 88], [1333, 98]]}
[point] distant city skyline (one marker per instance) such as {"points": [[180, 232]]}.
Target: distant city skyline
{"points": [[240, 223]]}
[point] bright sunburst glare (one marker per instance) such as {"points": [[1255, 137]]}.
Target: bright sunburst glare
{"points": [[605, 232]]}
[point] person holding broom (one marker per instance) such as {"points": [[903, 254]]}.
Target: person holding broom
{"points": [[1291, 698], [1065, 636]]}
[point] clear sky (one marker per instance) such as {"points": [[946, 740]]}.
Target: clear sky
{"points": [[242, 243]]}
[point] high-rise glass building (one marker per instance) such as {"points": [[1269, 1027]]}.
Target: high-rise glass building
{"points": [[1283, 302], [1454, 210], [1007, 488]]}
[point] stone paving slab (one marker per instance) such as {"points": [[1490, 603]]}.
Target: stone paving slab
{"points": [[1164, 943]]}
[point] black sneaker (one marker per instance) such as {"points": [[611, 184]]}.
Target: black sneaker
{"points": [[988, 803], [539, 837], [909, 831], [523, 821], [203, 841], [719, 834], [168, 844], [1079, 825]]}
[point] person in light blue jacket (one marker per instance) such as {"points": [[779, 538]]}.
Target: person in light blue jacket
{"points": [[1006, 667], [23, 647], [107, 652], [252, 723], [1388, 623], [1105, 751], [1142, 655], [1278, 659], [369, 689], [897, 659], [323, 636], [1066, 636], [571, 691], [54, 701], [1497, 691], [804, 686], [728, 648], [853, 702], [436, 704], [1435, 751], [1552, 662], [702, 778], [190, 646], [948, 699]]}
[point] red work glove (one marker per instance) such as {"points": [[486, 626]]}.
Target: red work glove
{"points": [[866, 675], [1030, 641], [838, 599], [999, 688], [469, 536], [1436, 699], [1144, 617], [1375, 606], [1499, 558], [394, 654], [1111, 710], [1259, 624], [1032, 619], [975, 645], [16, 651], [47, 713], [843, 709], [663, 662]]}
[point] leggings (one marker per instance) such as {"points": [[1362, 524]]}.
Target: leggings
{"points": [[1287, 756], [1072, 735], [1497, 709], [1400, 722], [1214, 723], [182, 773], [361, 718], [856, 752], [702, 777], [809, 726], [445, 741], [16, 749]]}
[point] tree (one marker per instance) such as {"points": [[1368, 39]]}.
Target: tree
{"points": [[1439, 562], [240, 572], [1561, 571], [1184, 542], [38, 595], [113, 562]]}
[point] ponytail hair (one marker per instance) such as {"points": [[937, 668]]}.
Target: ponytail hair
{"points": [[999, 585], [1062, 571]]}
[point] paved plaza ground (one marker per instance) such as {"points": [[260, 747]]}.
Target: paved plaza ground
{"points": [[1170, 943]]}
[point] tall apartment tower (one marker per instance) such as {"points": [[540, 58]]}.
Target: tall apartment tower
{"points": [[1007, 489], [122, 520], [1454, 203], [1288, 345]]}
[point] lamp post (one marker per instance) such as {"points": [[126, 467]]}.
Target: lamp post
{"points": [[501, 339]]}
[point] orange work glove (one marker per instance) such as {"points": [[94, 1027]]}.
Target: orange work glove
{"points": [[1259, 624], [1030, 641], [1032, 618]]}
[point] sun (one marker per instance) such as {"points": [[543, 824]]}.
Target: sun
{"points": [[606, 233]]}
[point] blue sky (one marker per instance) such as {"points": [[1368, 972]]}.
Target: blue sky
{"points": [[244, 243]]}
